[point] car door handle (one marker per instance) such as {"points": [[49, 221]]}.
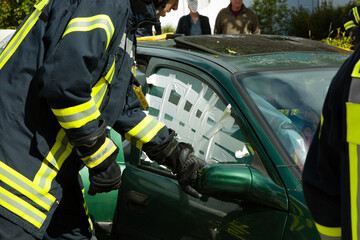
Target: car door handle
{"points": [[136, 201]]}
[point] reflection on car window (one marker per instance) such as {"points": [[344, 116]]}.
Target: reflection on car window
{"points": [[291, 102], [191, 108]]}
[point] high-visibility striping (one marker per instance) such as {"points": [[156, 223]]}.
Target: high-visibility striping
{"points": [[62, 148], [21, 208], [144, 131], [77, 116], [25, 186], [53, 162], [151, 134], [87, 210], [356, 15], [18, 38], [41, 4], [99, 90], [356, 71], [352, 137], [352, 120], [109, 76], [354, 188], [349, 24], [45, 175], [101, 154], [140, 126], [90, 23], [329, 232], [321, 124]]}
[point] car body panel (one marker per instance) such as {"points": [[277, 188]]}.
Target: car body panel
{"points": [[274, 209]]}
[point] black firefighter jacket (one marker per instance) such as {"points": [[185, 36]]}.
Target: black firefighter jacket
{"points": [[66, 68], [331, 172]]}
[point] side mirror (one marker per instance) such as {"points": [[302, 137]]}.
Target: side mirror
{"points": [[234, 182]]}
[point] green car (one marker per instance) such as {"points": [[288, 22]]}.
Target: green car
{"points": [[249, 105]]}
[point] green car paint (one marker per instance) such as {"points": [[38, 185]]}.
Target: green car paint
{"points": [[240, 201]]}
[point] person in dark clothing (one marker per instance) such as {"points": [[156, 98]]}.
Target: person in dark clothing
{"points": [[65, 81], [351, 25], [193, 23], [331, 172], [148, 31]]}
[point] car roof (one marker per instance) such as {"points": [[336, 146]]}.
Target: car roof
{"points": [[247, 52]]}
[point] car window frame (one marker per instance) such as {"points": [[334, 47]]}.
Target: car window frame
{"points": [[261, 119], [156, 62]]}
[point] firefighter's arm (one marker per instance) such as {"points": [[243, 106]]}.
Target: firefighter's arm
{"points": [[350, 21], [159, 143], [69, 81]]}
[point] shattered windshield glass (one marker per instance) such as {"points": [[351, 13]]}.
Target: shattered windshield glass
{"points": [[291, 102], [253, 44]]}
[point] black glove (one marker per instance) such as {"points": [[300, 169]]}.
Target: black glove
{"points": [[186, 166], [182, 161], [99, 153], [105, 179]]}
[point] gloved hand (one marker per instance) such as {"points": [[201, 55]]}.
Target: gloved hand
{"points": [[186, 166], [105, 179], [99, 153], [182, 161]]}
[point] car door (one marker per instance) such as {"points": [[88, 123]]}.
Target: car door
{"points": [[150, 203]]}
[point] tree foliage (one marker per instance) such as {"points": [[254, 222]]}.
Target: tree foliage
{"points": [[323, 22], [273, 15], [13, 12]]}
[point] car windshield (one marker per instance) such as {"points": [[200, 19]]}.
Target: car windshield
{"points": [[291, 102]]}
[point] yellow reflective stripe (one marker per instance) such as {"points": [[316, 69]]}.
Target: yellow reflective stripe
{"points": [[144, 131], [352, 121], [329, 231], [135, 130], [18, 38], [356, 70], [45, 176], [356, 14], [109, 76], [41, 4], [77, 116], [21, 208], [101, 154], [321, 124], [99, 90], [53, 162], [353, 165], [349, 24], [87, 210], [60, 151], [25, 186], [90, 23], [152, 132]]}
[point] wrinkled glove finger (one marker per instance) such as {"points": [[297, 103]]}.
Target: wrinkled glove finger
{"points": [[191, 191]]}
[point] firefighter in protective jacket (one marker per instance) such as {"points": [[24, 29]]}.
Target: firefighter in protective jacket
{"points": [[331, 172], [351, 24], [65, 77]]}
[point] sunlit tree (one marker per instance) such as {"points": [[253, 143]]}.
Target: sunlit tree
{"points": [[13, 12], [273, 16]]}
